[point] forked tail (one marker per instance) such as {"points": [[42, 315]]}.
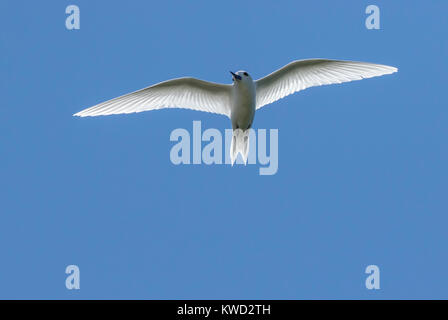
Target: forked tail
{"points": [[240, 144]]}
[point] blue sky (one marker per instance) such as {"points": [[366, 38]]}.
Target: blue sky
{"points": [[362, 173]]}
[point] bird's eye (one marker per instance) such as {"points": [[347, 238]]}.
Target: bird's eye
{"points": [[245, 73]]}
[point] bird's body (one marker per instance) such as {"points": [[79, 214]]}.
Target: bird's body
{"points": [[242, 113], [243, 102], [239, 101]]}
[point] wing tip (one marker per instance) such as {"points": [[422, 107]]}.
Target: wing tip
{"points": [[392, 69], [85, 113], [80, 114]]}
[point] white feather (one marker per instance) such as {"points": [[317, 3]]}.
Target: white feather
{"points": [[187, 93], [302, 74]]}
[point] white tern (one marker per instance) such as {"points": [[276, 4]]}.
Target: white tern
{"points": [[239, 100]]}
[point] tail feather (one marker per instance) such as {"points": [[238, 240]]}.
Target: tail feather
{"points": [[240, 144]]}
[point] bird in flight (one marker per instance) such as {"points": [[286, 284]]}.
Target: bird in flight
{"points": [[239, 100]]}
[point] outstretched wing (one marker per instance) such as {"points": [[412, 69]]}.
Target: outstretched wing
{"points": [[302, 74], [187, 93]]}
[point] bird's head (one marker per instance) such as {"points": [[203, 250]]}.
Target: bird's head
{"points": [[241, 76]]}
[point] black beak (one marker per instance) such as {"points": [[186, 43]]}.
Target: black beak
{"points": [[235, 76]]}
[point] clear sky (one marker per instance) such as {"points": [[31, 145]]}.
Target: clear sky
{"points": [[362, 173]]}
